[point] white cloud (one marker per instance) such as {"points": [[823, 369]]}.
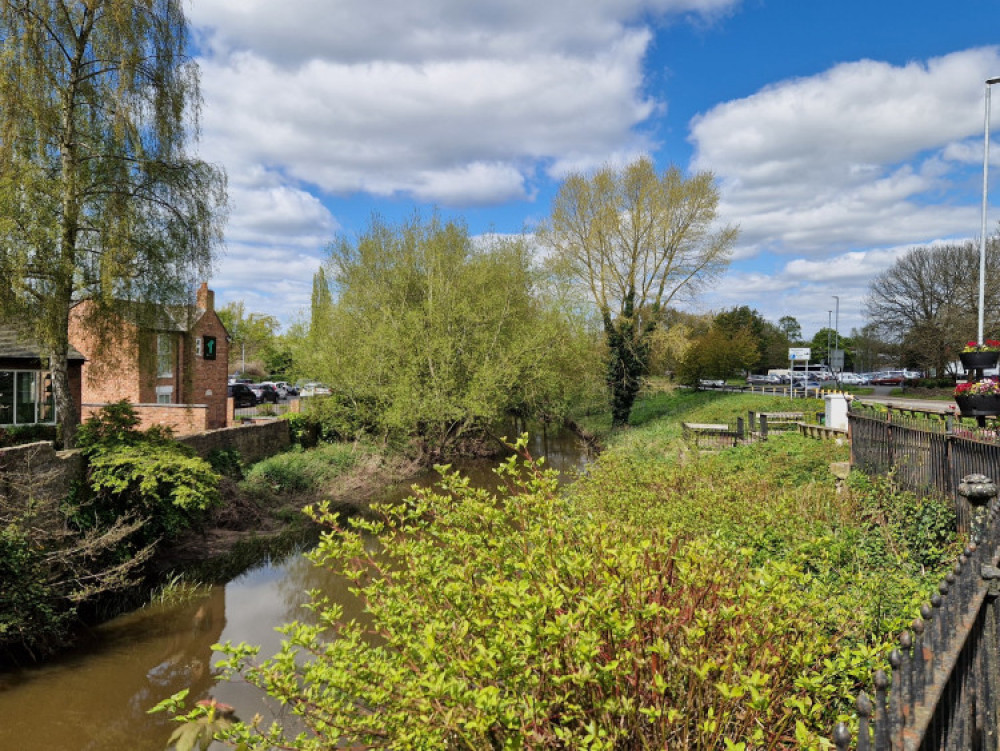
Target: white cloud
{"points": [[385, 127], [444, 101], [353, 31], [857, 156]]}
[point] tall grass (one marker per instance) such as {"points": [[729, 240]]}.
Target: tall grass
{"points": [[301, 470]]}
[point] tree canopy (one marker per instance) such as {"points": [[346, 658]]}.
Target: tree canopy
{"points": [[99, 196], [928, 301], [429, 334], [636, 241], [254, 335]]}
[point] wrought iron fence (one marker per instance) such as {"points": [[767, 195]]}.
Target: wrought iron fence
{"points": [[945, 684]]}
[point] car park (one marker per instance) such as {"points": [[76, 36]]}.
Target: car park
{"points": [[242, 395], [889, 378], [265, 392]]}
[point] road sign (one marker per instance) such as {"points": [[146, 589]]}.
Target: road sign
{"points": [[837, 359], [800, 353]]}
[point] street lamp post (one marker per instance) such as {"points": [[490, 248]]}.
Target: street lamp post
{"points": [[836, 330], [829, 325], [982, 234]]}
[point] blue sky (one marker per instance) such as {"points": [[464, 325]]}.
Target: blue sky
{"points": [[841, 134]]}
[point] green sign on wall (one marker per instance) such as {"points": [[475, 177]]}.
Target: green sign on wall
{"points": [[208, 347]]}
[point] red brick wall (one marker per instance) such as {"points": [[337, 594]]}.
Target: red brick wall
{"points": [[184, 419], [111, 373], [115, 373], [209, 378]]}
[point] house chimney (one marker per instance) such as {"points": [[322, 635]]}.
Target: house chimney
{"points": [[206, 298]]}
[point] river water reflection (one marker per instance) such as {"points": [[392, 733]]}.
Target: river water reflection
{"points": [[96, 697]]}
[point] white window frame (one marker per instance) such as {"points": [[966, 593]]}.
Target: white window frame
{"points": [[164, 394], [164, 341]]}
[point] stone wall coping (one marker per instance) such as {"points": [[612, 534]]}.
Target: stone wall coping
{"points": [[151, 404]]}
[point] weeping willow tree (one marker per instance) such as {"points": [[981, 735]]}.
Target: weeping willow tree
{"points": [[100, 198]]}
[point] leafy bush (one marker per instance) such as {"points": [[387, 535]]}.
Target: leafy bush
{"points": [[166, 484], [227, 462], [666, 600], [304, 431], [299, 470], [510, 621], [31, 615], [145, 474]]}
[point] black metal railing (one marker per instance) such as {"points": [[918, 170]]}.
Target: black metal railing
{"points": [[945, 678]]}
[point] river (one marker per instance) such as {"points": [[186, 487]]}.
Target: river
{"points": [[95, 697]]}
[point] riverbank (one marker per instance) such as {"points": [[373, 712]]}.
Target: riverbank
{"points": [[261, 515], [668, 598]]}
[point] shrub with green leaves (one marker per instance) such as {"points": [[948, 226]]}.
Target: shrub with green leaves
{"points": [[666, 600], [511, 620], [146, 474], [299, 470]]}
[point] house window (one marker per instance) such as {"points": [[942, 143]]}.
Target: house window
{"points": [[197, 346], [26, 397], [164, 356], [164, 394]]}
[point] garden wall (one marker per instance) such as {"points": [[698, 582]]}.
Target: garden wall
{"points": [[38, 470], [254, 442]]}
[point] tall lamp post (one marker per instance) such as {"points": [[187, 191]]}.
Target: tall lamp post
{"points": [[836, 330], [982, 235], [829, 326]]}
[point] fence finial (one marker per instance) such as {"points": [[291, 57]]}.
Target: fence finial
{"points": [[841, 737]]}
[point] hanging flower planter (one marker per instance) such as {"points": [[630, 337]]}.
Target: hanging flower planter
{"points": [[978, 398], [974, 360], [977, 355], [983, 405]]}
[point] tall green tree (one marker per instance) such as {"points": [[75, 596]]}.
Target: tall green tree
{"points": [[720, 353], [321, 301], [100, 198], [254, 334], [790, 327], [636, 241], [431, 336]]}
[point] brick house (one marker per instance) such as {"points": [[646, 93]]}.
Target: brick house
{"points": [[171, 363], [25, 382]]}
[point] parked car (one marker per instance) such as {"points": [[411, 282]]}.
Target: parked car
{"points": [[764, 380], [278, 386], [852, 379], [889, 378], [314, 388], [281, 387], [806, 382], [716, 383], [242, 395], [265, 392]]}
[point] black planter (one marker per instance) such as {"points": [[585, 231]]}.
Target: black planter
{"points": [[972, 360], [983, 405]]}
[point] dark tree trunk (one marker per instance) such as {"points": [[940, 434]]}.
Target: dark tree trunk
{"points": [[628, 356]]}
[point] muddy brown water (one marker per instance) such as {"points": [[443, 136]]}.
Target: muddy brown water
{"points": [[96, 697]]}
